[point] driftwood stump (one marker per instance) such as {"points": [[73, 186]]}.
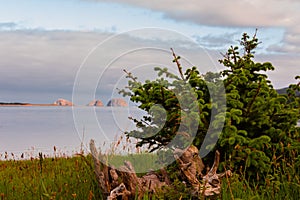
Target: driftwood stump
{"points": [[192, 166], [125, 184]]}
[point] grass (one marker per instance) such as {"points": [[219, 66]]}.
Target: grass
{"points": [[240, 189], [48, 178], [73, 178], [58, 178]]}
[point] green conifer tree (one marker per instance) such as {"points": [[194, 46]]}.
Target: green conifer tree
{"points": [[254, 126]]}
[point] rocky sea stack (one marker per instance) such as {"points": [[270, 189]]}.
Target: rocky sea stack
{"points": [[117, 102], [63, 102], [96, 103]]}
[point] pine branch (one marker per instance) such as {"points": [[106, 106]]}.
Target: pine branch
{"points": [[176, 59]]}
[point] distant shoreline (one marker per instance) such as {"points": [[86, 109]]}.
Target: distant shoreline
{"points": [[24, 104], [114, 102], [47, 105]]}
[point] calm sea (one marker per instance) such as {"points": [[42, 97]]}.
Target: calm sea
{"points": [[38, 129], [31, 130]]}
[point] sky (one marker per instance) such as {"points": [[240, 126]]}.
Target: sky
{"points": [[77, 49]]}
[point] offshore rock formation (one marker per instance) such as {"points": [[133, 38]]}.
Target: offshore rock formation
{"points": [[96, 103], [117, 102], [63, 102]]}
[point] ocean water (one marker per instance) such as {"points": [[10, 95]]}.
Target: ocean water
{"points": [[38, 129], [31, 130]]}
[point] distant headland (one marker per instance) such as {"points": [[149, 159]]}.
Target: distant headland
{"points": [[24, 104], [114, 102]]}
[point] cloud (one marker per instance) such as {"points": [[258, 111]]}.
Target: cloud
{"points": [[8, 25], [290, 44], [36, 63], [40, 66], [232, 13], [224, 13], [217, 41], [286, 68]]}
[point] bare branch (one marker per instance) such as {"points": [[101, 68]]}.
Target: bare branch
{"points": [[176, 59]]}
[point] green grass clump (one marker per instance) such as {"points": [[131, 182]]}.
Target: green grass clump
{"points": [[48, 178], [238, 189]]}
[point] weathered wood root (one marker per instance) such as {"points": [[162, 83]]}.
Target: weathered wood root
{"points": [[125, 184], [192, 166], [119, 191], [211, 180]]}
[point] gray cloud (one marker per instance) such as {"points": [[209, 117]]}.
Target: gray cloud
{"points": [[286, 68], [232, 13], [290, 44], [39, 62], [41, 66], [218, 41], [7, 25], [36, 63], [224, 13]]}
